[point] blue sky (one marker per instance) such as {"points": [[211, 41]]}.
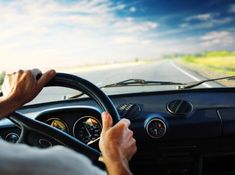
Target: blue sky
{"points": [[71, 32]]}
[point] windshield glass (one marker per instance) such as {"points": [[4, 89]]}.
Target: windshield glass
{"points": [[108, 41]]}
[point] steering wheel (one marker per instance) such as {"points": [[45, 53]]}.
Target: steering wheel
{"points": [[70, 81]]}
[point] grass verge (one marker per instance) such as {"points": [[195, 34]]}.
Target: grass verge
{"points": [[212, 65], [218, 61], [1, 78]]}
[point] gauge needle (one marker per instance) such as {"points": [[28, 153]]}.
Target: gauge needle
{"points": [[89, 134], [93, 141]]}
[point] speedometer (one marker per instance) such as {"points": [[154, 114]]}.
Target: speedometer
{"points": [[58, 123], [87, 129]]}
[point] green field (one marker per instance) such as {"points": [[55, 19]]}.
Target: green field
{"points": [[1, 78], [216, 61]]}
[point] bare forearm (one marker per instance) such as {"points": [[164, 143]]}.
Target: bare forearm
{"points": [[21, 87], [7, 106], [118, 168]]}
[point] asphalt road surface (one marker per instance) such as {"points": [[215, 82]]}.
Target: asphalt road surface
{"points": [[160, 71]]}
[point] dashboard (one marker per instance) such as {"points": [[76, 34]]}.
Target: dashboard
{"points": [[177, 132]]}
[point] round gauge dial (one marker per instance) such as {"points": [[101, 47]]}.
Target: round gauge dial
{"points": [[58, 123], [156, 128], [12, 137], [87, 129]]}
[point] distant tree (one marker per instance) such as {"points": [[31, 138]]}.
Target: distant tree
{"points": [[2, 74], [137, 59], [219, 53]]}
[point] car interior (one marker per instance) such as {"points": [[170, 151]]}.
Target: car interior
{"points": [[167, 66], [178, 132]]}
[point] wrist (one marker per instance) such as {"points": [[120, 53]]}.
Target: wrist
{"points": [[14, 99], [117, 166], [8, 105]]}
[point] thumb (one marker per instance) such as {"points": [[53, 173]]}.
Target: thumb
{"points": [[45, 78], [107, 121]]}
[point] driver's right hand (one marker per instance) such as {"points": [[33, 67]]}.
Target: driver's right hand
{"points": [[116, 142]]}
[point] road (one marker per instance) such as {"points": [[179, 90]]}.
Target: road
{"points": [[161, 71]]}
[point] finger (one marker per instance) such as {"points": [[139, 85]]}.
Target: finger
{"points": [[9, 73], [125, 123], [36, 73], [131, 142], [5, 85], [107, 121], [20, 71], [45, 78], [4, 88], [130, 134], [132, 149]]}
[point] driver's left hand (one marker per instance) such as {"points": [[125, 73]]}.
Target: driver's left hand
{"points": [[21, 87]]}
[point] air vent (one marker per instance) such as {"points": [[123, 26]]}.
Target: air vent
{"points": [[129, 110], [179, 107]]}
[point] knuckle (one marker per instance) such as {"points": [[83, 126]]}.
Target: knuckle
{"points": [[131, 133], [109, 135], [134, 149], [7, 76], [20, 71], [28, 73], [122, 125], [125, 123], [134, 141], [134, 145]]}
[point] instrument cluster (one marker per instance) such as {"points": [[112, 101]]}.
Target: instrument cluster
{"points": [[86, 128], [83, 124]]}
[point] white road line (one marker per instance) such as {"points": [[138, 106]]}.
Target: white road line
{"points": [[189, 75]]}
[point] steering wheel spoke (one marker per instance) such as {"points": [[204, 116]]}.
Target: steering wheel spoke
{"points": [[23, 136]]}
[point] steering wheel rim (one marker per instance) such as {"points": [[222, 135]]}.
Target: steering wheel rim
{"points": [[77, 83]]}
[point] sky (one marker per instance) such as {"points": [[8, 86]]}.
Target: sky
{"points": [[57, 33]]}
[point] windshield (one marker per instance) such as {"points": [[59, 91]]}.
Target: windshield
{"points": [[108, 41]]}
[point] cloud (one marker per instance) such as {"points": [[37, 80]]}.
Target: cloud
{"points": [[125, 40], [217, 38], [129, 25], [232, 8], [201, 17], [80, 31], [206, 20], [120, 7], [56, 33], [132, 9]]}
